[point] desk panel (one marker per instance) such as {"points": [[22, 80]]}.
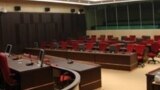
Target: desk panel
{"points": [[31, 76], [121, 61], [150, 78], [90, 73]]}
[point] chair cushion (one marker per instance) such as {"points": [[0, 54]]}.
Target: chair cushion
{"points": [[151, 54]]}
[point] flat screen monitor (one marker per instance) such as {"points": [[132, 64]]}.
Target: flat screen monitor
{"points": [[41, 57], [8, 49]]}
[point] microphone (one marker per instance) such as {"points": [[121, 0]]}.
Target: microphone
{"points": [[31, 63], [69, 61], [41, 57]]}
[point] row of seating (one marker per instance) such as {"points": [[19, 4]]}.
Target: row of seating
{"points": [[130, 37]]}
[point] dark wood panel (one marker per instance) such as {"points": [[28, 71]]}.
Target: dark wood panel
{"points": [[38, 27], [67, 25], [46, 18], [35, 18], [26, 18], [41, 32]]}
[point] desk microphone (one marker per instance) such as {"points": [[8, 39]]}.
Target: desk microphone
{"points": [[69, 61]]}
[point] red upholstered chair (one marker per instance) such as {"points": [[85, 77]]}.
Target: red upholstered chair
{"points": [[63, 45], [157, 37], [147, 42], [155, 47], [93, 37], [102, 38], [103, 46], [8, 81], [75, 45], [64, 79], [145, 37], [89, 46], [43, 45], [132, 37], [139, 49], [130, 47], [109, 37]]}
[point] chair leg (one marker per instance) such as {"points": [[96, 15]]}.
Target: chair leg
{"points": [[153, 60], [141, 64]]}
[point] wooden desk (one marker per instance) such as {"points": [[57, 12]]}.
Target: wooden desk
{"points": [[150, 78], [155, 86], [121, 61], [90, 73], [31, 76]]}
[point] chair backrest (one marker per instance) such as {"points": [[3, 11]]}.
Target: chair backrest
{"points": [[132, 37], [43, 44], [155, 47], [75, 45], [157, 37], [123, 37], [4, 68], [140, 49], [145, 37], [63, 45], [130, 47], [109, 37], [102, 46], [102, 38], [89, 46]]}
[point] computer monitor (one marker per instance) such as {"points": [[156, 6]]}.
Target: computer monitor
{"points": [[41, 57], [8, 49]]}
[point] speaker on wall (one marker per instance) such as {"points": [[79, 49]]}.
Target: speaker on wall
{"points": [[81, 11], [72, 10], [17, 8], [46, 9]]}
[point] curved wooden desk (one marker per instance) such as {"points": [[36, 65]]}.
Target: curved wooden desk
{"points": [[90, 73], [29, 76]]}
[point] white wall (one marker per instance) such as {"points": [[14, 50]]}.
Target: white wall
{"points": [[38, 7], [119, 33]]}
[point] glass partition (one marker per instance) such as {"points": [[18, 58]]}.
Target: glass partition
{"points": [[135, 15]]}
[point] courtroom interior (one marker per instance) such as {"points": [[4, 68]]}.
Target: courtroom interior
{"points": [[79, 44]]}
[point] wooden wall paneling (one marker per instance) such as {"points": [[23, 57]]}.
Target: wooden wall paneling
{"points": [[7, 26], [58, 23], [41, 32], [82, 25], [1, 31], [23, 35], [54, 34], [50, 33], [52, 17], [26, 18], [46, 18], [35, 18], [67, 25], [32, 34], [75, 25], [47, 32], [14, 17], [17, 27]]}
